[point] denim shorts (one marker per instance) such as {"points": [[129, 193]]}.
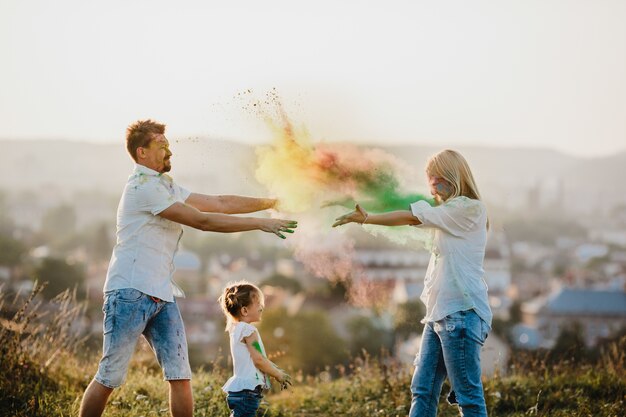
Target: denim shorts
{"points": [[244, 403], [128, 314]]}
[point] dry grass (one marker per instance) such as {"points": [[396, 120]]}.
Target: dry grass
{"points": [[43, 375]]}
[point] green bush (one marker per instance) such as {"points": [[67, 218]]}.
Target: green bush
{"points": [[304, 342], [59, 275]]}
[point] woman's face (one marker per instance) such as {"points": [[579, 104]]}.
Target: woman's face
{"points": [[439, 188]]}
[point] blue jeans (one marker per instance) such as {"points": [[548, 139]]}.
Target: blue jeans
{"points": [[128, 314], [244, 403], [450, 347]]}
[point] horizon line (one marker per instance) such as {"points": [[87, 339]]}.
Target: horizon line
{"points": [[106, 142]]}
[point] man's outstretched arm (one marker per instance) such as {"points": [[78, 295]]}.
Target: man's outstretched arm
{"points": [[229, 204], [216, 222]]}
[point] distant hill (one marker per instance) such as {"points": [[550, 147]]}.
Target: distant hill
{"points": [[207, 165], [218, 166]]}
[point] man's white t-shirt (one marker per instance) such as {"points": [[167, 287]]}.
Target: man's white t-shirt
{"points": [[143, 256]]}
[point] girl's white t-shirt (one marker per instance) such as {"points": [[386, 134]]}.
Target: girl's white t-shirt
{"points": [[455, 276], [245, 374]]}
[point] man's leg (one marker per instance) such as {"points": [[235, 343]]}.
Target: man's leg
{"points": [[94, 400], [124, 312], [165, 333], [181, 398]]}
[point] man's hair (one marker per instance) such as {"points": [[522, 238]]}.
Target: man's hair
{"points": [[139, 135]]}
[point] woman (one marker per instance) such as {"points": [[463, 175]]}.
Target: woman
{"points": [[458, 317]]}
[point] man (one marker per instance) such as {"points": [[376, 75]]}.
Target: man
{"points": [[139, 291]]}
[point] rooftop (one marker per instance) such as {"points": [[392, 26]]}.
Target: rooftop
{"points": [[588, 301]]}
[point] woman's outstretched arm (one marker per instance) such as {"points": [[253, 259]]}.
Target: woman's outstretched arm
{"points": [[392, 218]]}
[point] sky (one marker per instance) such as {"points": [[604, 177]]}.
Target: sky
{"points": [[532, 73]]}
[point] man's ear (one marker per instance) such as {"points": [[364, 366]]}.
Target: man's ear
{"points": [[140, 152]]}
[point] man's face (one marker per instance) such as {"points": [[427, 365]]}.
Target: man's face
{"points": [[157, 154]]}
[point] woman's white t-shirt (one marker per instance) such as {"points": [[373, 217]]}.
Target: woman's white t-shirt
{"points": [[245, 374], [455, 276]]}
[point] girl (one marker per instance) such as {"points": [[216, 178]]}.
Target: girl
{"points": [[458, 316], [243, 304]]}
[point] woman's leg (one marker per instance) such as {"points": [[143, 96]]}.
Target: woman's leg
{"points": [[462, 335], [430, 371]]}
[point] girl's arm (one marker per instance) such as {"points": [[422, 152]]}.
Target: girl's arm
{"points": [[262, 363], [392, 218]]}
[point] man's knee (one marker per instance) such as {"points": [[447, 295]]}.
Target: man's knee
{"points": [[98, 387], [180, 383], [94, 400], [111, 380]]}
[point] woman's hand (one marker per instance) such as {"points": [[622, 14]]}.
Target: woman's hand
{"points": [[278, 226], [359, 215]]}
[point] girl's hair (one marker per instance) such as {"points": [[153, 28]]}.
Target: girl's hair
{"points": [[453, 168], [237, 296]]}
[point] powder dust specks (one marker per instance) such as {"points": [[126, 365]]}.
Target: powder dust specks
{"points": [[319, 181], [287, 168], [370, 293], [299, 173]]}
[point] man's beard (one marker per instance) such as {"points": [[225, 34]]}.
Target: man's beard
{"points": [[166, 166]]}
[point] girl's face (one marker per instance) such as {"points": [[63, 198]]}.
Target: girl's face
{"points": [[439, 187], [252, 313]]}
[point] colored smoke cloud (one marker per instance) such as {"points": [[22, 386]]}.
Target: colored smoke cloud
{"points": [[316, 182]]}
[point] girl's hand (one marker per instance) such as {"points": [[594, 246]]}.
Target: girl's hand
{"points": [[359, 215], [285, 380]]}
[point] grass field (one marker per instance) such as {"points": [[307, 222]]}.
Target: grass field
{"points": [[44, 373]]}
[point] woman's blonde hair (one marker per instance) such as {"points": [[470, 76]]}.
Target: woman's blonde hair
{"points": [[237, 296], [454, 169]]}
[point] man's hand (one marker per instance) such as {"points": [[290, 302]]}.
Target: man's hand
{"points": [[359, 215], [275, 204], [278, 226]]}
